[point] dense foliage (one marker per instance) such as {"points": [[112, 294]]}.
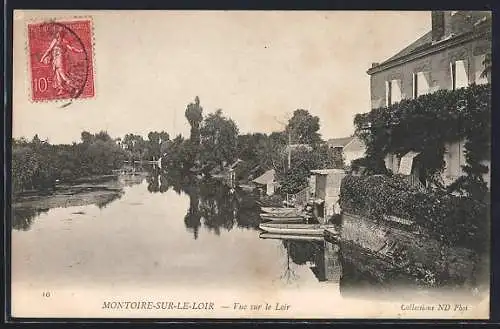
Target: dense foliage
{"points": [[303, 161], [219, 139], [214, 144], [38, 164], [303, 128], [455, 220], [194, 115], [151, 148], [425, 125]]}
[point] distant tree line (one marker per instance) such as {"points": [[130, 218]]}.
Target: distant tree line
{"points": [[37, 164], [213, 144]]}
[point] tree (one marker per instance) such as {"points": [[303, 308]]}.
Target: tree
{"points": [[153, 145], [304, 128], [279, 138], [219, 138], [164, 140], [176, 159], [194, 115], [270, 152], [23, 167], [103, 136], [135, 145], [304, 160], [248, 145], [86, 137], [39, 164]]}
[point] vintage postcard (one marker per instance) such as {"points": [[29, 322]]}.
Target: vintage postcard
{"points": [[251, 164]]}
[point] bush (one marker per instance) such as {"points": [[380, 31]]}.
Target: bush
{"points": [[455, 220]]}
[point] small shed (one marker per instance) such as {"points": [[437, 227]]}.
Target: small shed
{"points": [[327, 190], [267, 181]]}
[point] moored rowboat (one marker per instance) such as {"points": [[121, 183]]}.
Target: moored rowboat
{"points": [[292, 228], [281, 211], [295, 219], [281, 215], [265, 235]]}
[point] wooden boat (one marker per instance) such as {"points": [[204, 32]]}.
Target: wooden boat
{"points": [[279, 211], [265, 235], [295, 219], [265, 214], [292, 228]]}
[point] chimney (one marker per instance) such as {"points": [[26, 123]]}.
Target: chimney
{"points": [[438, 27], [375, 64]]}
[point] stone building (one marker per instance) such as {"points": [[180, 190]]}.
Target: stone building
{"points": [[351, 148], [450, 56]]}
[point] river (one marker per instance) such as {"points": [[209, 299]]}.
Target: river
{"points": [[174, 238], [158, 232]]}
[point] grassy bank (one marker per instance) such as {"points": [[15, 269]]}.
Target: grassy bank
{"points": [[98, 190]]}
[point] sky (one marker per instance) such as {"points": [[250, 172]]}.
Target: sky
{"points": [[258, 67]]}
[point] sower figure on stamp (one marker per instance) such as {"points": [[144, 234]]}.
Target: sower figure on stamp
{"points": [[58, 49]]}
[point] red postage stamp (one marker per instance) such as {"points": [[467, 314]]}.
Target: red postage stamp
{"points": [[61, 59]]}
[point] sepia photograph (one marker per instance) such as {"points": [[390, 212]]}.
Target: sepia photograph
{"points": [[176, 164]]}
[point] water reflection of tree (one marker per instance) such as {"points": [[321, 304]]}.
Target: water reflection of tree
{"points": [[302, 252], [107, 199], [23, 218], [153, 182], [217, 206], [289, 274], [320, 259], [211, 203], [192, 220]]}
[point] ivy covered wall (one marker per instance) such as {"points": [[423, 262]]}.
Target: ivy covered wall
{"points": [[426, 124]]}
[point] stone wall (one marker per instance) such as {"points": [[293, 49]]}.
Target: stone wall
{"points": [[403, 250]]}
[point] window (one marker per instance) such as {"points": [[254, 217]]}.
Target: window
{"points": [[392, 163], [406, 163], [420, 84], [459, 76], [392, 92], [388, 93], [453, 155], [479, 69], [395, 91]]}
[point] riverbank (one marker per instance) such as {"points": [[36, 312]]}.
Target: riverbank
{"points": [[389, 255], [86, 190]]}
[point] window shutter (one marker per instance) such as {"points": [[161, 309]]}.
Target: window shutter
{"points": [[479, 68], [422, 83], [415, 85], [461, 76], [387, 93], [395, 91]]}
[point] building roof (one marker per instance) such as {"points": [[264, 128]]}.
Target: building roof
{"points": [[266, 177], [339, 142], [421, 43], [356, 144], [425, 42]]}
